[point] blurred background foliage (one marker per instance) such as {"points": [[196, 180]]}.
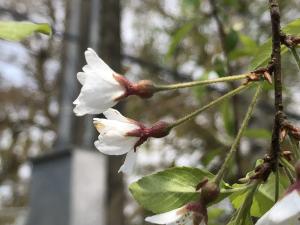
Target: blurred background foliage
{"points": [[165, 41]]}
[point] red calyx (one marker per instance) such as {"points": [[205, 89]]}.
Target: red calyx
{"points": [[143, 89], [158, 130], [199, 212], [194, 207]]}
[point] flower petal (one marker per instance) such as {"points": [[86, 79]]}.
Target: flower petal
{"points": [[97, 65], [122, 128], [111, 142], [98, 124], [95, 61], [110, 150], [81, 77], [113, 114], [284, 212], [129, 163], [167, 217], [96, 95], [264, 220]]}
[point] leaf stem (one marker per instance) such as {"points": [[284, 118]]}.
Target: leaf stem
{"points": [[296, 56], [214, 102], [200, 82], [226, 191], [287, 164], [247, 204], [276, 185], [294, 147], [233, 149], [289, 175]]}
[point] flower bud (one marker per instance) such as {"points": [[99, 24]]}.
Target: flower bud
{"points": [[159, 129], [145, 89], [209, 192]]}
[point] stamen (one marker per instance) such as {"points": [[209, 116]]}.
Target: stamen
{"points": [[99, 126]]}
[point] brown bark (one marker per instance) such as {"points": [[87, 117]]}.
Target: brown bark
{"points": [[276, 61]]}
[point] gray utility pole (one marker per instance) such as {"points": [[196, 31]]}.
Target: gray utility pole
{"points": [[68, 185], [110, 49]]}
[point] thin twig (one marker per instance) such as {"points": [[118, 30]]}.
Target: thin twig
{"points": [[201, 82], [236, 142], [214, 102]]}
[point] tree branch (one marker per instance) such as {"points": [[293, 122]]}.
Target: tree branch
{"points": [[289, 40], [276, 60]]}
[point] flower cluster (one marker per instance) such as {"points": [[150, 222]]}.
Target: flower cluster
{"points": [[102, 88]]}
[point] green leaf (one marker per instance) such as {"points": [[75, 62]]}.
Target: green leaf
{"points": [[293, 28], [247, 41], [231, 3], [247, 220], [170, 189], [257, 133], [16, 31], [219, 66], [264, 52], [214, 215], [231, 41], [178, 37], [262, 55], [248, 48], [263, 198], [193, 3]]}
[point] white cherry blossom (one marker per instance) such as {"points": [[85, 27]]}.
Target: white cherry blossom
{"points": [[100, 89], [284, 212], [113, 138], [119, 135], [179, 216]]}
